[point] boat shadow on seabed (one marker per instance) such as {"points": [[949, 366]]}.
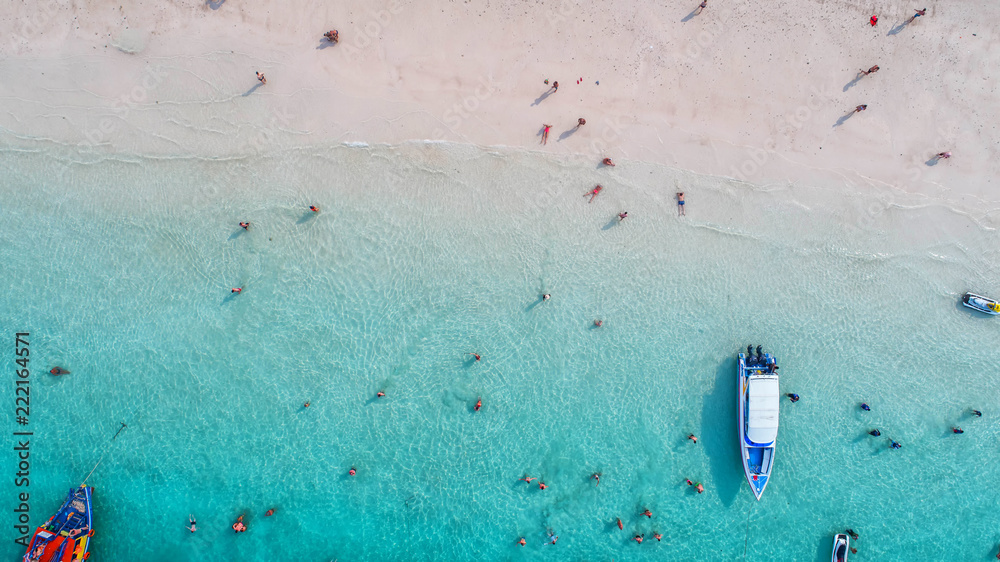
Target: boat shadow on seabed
{"points": [[719, 436]]}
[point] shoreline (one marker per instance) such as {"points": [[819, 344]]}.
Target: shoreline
{"points": [[154, 80]]}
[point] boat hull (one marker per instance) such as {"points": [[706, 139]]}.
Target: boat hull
{"points": [[841, 548], [65, 537], [757, 459]]}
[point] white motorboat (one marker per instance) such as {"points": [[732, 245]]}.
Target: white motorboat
{"points": [[758, 416]]}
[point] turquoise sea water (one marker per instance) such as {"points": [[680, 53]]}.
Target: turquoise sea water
{"points": [[120, 268]]}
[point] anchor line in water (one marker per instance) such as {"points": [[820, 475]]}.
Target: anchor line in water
{"points": [[107, 447], [746, 541]]}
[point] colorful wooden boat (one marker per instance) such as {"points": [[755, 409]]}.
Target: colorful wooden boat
{"points": [[66, 535]]}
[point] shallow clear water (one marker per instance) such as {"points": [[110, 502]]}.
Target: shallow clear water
{"points": [[121, 270]]}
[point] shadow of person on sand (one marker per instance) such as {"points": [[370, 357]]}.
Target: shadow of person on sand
{"points": [[719, 433], [534, 304], [215, 5], [308, 216], [324, 43], [567, 134], [239, 232], [611, 223], [252, 90], [542, 97], [898, 28], [934, 162], [843, 119], [690, 16], [853, 82]]}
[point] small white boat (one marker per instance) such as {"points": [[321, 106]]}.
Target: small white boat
{"points": [[841, 548], [758, 416], [981, 303]]}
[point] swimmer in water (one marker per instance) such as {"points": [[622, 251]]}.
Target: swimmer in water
{"points": [[957, 430], [542, 485], [479, 404], [976, 413], [792, 397], [647, 513], [693, 438], [895, 445], [699, 487], [657, 536], [598, 323], [245, 225], [236, 290], [527, 479], [875, 432], [306, 405], [689, 482], [593, 193], [59, 371], [314, 208], [851, 532], [352, 472], [521, 541], [239, 526], [865, 407], [476, 355], [620, 528], [596, 477], [269, 513], [638, 538], [193, 524], [380, 394]]}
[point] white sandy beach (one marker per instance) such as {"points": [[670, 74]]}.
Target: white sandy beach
{"points": [[742, 90]]}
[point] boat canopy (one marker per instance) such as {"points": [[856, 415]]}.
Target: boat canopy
{"points": [[762, 413]]}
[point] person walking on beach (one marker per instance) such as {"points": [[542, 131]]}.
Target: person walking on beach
{"points": [[701, 7], [693, 438], [622, 216], [555, 86], [941, 155], [917, 15], [193, 525], [871, 70], [332, 36], [792, 396], [593, 193], [680, 203], [860, 108], [580, 122], [545, 133], [608, 162], [260, 76], [873, 20]]}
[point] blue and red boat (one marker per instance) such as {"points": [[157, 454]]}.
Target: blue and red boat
{"points": [[66, 535]]}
